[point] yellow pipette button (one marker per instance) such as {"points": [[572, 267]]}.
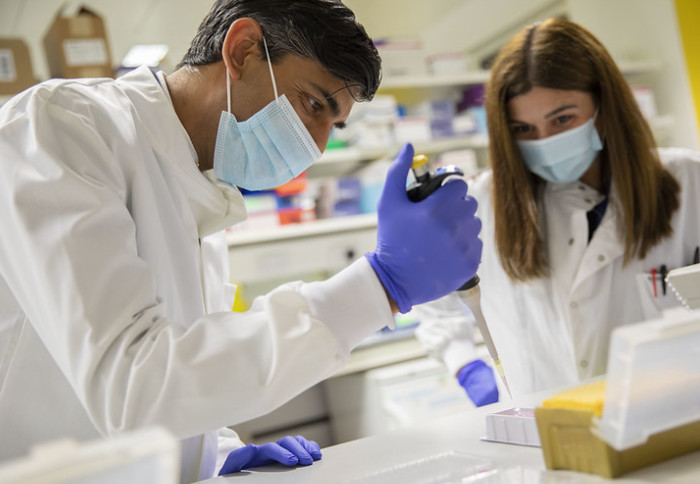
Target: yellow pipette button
{"points": [[419, 160]]}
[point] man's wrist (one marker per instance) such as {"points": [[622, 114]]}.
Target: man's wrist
{"points": [[392, 304]]}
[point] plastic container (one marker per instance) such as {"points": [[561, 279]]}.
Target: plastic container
{"points": [[653, 379], [685, 284], [147, 456], [513, 426]]}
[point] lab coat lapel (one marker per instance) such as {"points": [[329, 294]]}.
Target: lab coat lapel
{"points": [[605, 247], [565, 208], [214, 206]]}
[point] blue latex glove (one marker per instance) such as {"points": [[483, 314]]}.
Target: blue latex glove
{"points": [[288, 451], [426, 249], [478, 380]]}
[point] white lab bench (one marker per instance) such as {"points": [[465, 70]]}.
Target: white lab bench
{"points": [[461, 432]]}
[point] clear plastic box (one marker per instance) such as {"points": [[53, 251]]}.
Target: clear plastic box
{"points": [[146, 456], [653, 379]]}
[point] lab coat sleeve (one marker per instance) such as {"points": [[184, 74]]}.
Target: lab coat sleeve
{"points": [[446, 331], [72, 262], [228, 441]]}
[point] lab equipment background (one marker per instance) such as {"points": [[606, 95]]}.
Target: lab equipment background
{"points": [[393, 382]]}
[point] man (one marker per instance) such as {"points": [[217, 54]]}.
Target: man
{"points": [[114, 303]]}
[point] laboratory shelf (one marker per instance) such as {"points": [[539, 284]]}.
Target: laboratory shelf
{"points": [[628, 67], [357, 155], [434, 80], [368, 357], [316, 228], [299, 251]]}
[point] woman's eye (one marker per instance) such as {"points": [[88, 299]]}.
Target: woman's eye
{"points": [[563, 119], [520, 129]]}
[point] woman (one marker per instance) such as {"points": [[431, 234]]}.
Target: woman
{"points": [[581, 213]]}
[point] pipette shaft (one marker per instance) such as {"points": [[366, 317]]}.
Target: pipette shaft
{"points": [[470, 294]]}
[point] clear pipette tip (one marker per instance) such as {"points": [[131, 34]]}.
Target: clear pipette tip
{"points": [[499, 368]]}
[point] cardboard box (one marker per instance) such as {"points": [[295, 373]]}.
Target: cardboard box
{"points": [[568, 442], [15, 66], [76, 45]]}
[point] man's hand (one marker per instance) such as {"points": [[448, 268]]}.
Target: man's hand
{"points": [[426, 249]]}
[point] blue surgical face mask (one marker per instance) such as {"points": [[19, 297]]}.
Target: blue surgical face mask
{"points": [[268, 149], [564, 157]]}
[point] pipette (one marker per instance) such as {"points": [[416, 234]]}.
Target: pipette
{"points": [[470, 294]]}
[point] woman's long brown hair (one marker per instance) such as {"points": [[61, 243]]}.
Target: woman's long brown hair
{"points": [[559, 54]]}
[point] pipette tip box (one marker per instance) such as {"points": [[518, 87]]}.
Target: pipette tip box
{"points": [[644, 412]]}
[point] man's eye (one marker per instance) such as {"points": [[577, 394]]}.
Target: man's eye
{"points": [[315, 106]]}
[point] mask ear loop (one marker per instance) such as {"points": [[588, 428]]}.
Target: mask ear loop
{"points": [[228, 91], [269, 64]]}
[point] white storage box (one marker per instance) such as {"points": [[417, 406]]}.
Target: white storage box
{"points": [[513, 426]]}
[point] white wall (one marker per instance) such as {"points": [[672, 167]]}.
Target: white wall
{"points": [[631, 29], [634, 29]]}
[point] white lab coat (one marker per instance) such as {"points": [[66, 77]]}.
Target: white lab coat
{"points": [[555, 331], [112, 315]]}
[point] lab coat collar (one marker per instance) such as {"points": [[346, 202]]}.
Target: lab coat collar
{"points": [[215, 206], [578, 195]]}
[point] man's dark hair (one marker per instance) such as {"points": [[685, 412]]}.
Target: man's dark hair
{"points": [[322, 30]]}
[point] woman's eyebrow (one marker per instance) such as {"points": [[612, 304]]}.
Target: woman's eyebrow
{"points": [[560, 109]]}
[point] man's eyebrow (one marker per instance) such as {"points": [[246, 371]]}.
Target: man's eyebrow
{"points": [[332, 103]]}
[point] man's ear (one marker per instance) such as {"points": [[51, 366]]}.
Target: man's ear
{"points": [[241, 42]]}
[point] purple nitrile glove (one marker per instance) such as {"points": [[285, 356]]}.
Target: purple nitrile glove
{"points": [[426, 249], [288, 451], [478, 380]]}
